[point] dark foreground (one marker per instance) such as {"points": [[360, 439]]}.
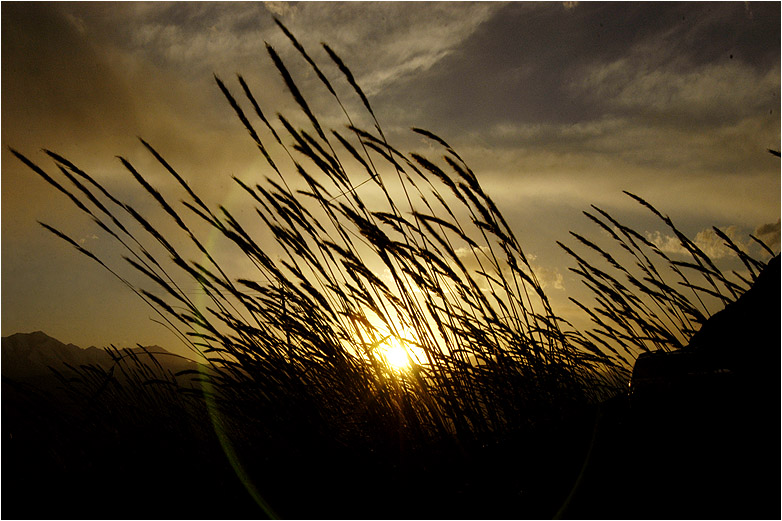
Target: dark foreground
{"points": [[688, 448]]}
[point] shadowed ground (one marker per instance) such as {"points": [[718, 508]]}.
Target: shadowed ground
{"points": [[708, 449]]}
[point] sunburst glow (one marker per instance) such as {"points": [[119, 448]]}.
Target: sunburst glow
{"points": [[395, 353]]}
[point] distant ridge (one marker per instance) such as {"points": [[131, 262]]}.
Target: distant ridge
{"points": [[30, 355]]}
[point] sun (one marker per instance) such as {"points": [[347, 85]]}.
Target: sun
{"points": [[395, 353]]}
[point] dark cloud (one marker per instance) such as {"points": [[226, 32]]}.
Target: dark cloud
{"points": [[581, 103], [530, 56], [59, 80], [769, 234]]}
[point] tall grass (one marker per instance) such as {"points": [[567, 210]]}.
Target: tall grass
{"points": [[645, 299], [373, 244]]}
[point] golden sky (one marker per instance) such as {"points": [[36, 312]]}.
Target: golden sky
{"points": [[556, 106]]}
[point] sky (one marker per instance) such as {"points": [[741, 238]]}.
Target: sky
{"points": [[555, 106]]}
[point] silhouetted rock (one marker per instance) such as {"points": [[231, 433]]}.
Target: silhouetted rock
{"points": [[734, 356], [745, 336]]}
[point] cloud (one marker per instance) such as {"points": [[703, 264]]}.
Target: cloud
{"points": [[387, 42], [666, 243], [671, 149], [707, 240], [480, 259], [382, 42], [714, 93], [712, 68], [281, 8], [91, 237], [550, 277], [769, 234]]}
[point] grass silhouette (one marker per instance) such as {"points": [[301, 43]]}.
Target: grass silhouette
{"points": [[374, 244]]}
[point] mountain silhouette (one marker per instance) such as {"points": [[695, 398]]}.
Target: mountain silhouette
{"points": [[28, 356]]}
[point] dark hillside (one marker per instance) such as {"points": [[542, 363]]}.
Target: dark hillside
{"points": [[701, 440]]}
